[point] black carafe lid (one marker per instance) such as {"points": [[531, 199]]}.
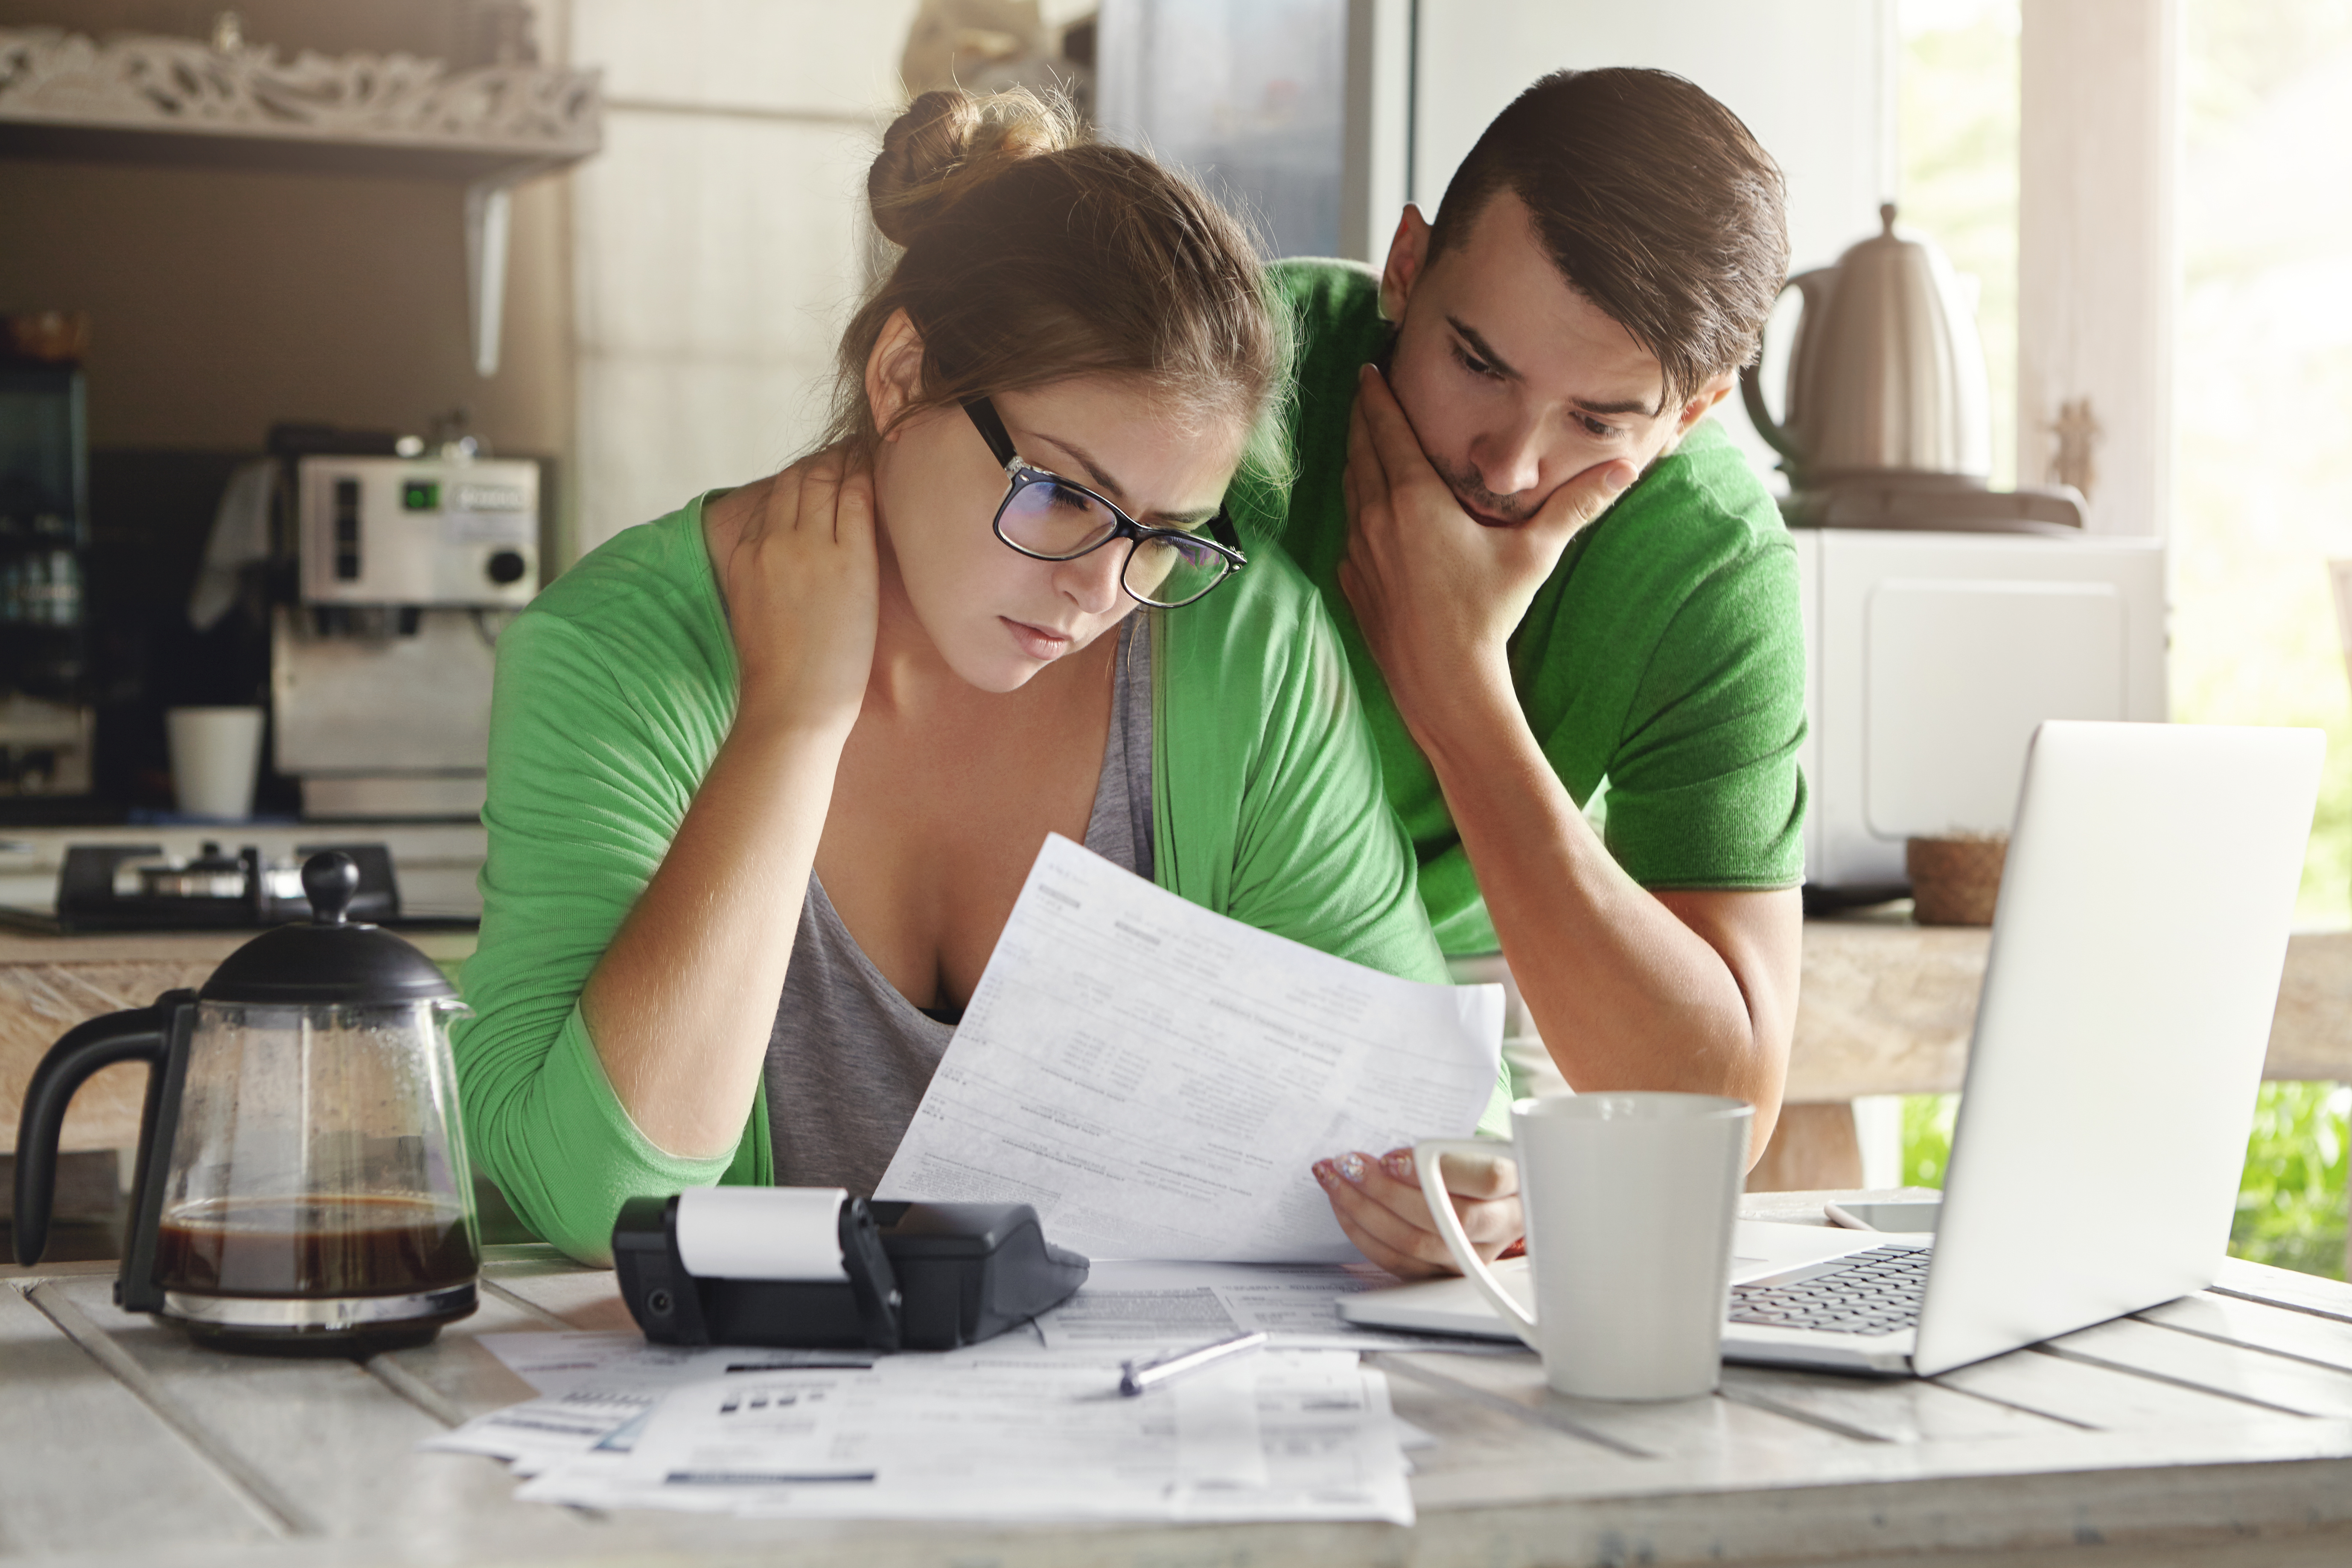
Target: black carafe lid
{"points": [[331, 959]]}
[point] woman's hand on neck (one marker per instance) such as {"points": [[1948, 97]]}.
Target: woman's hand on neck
{"points": [[796, 562]]}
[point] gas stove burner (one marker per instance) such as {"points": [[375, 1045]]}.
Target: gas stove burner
{"points": [[134, 887], [211, 875]]}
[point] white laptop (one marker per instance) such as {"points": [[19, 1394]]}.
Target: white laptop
{"points": [[2137, 949]]}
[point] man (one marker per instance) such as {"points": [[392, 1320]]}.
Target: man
{"points": [[1570, 606]]}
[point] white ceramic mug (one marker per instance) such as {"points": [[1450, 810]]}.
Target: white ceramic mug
{"points": [[216, 755], [1630, 1199]]}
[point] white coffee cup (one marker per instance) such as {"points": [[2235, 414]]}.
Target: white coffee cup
{"points": [[1630, 1200], [215, 756]]}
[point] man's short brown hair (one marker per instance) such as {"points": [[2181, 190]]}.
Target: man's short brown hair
{"points": [[1655, 203]]}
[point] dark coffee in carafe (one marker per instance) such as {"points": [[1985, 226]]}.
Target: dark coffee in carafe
{"points": [[315, 1246]]}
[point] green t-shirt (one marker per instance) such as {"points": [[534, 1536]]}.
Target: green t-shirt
{"points": [[1662, 666], [614, 690]]}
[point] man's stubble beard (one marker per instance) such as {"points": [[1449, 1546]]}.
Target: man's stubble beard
{"points": [[1483, 505], [1512, 510]]}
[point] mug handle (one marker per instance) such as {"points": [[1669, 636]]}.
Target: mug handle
{"points": [[1425, 1156]]}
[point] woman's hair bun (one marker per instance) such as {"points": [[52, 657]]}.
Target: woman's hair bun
{"points": [[948, 142]]}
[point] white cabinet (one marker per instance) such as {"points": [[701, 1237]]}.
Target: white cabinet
{"points": [[1929, 659]]}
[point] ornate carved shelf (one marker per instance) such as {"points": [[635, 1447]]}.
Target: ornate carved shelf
{"points": [[157, 100]]}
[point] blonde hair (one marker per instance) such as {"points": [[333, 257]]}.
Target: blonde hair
{"points": [[1032, 253]]}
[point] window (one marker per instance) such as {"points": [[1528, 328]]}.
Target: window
{"points": [[2264, 354], [718, 242], [1955, 131]]}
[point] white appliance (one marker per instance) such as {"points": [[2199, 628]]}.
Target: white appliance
{"points": [[1931, 657], [419, 532], [380, 677]]}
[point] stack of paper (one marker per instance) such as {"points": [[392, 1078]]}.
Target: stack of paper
{"points": [[985, 1433], [595, 1389], [1134, 1308]]}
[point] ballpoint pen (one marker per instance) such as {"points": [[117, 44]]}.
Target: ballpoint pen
{"points": [[1137, 1377]]}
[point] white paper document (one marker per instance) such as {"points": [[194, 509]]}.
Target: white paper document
{"points": [[603, 1365], [1276, 1434], [1158, 1080], [593, 1388], [1133, 1307]]}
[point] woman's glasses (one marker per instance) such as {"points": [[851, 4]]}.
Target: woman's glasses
{"points": [[1048, 518]]}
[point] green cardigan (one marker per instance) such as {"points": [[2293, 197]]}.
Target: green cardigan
{"points": [[613, 692]]}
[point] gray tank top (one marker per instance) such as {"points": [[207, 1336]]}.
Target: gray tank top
{"points": [[850, 1057]]}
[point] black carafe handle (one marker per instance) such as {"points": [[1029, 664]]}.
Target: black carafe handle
{"points": [[144, 1034]]}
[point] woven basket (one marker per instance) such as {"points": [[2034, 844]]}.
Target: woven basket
{"points": [[1954, 881]]}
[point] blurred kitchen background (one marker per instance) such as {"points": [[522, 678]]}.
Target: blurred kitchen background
{"points": [[610, 242], [672, 279]]}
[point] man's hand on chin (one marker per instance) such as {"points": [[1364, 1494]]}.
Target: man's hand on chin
{"points": [[1437, 591]]}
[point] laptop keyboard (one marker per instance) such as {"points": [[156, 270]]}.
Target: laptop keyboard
{"points": [[1875, 1292]]}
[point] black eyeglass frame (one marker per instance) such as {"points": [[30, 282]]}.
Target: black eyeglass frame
{"points": [[1020, 474]]}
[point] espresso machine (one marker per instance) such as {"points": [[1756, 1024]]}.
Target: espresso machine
{"points": [[407, 566]]}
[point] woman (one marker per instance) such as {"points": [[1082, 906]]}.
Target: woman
{"points": [[803, 739]]}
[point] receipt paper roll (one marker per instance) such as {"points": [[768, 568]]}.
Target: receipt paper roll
{"points": [[761, 1233]]}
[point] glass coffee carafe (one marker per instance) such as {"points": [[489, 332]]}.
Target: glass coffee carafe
{"points": [[302, 1177]]}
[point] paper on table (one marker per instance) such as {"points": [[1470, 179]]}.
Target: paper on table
{"points": [[593, 1386], [1279, 1434], [1131, 1306], [1157, 1080], [608, 1364]]}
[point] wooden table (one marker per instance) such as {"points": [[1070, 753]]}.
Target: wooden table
{"points": [[1888, 1007], [2216, 1430]]}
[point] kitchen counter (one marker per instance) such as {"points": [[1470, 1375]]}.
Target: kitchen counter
{"points": [[1887, 1009], [49, 983], [435, 862], [1888, 1006]]}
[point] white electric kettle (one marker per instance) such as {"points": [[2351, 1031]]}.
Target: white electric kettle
{"points": [[1888, 374], [1886, 418]]}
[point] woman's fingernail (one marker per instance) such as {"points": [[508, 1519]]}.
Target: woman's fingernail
{"points": [[1326, 1175], [1398, 1163], [1352, 1167]]}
